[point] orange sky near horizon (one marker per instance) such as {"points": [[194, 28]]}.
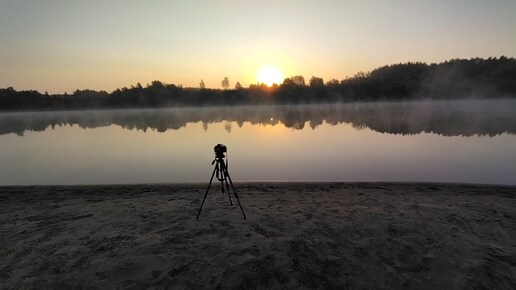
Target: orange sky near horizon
{"points": [[60, 46]]}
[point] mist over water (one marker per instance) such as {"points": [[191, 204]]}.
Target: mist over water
{"points": [[448, 118], [449, 141]]}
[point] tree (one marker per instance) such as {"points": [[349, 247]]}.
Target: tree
{"points": [[333, 83], [361, 75], [316, 82], [202, 86], [225, 83], [287, 82], [298, 80], [156, 84], [238, 86]]}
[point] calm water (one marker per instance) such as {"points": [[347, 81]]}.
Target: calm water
{"points": [[467, 141]]}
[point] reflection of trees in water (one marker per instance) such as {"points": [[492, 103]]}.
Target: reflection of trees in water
{"points": [[452, 118], [227, 127]]}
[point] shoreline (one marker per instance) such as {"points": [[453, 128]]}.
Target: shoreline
{"points": [[296, 235], [262, 182]]}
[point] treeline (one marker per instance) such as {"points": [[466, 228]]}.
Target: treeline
{"points": [[454, 79]]}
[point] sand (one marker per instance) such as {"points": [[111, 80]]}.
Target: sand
{"points": [[296, 236]]}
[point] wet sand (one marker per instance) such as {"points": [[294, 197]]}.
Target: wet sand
{"points": [[296, 236]]}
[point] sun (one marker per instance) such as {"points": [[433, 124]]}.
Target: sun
{"points": [[270, 75]]}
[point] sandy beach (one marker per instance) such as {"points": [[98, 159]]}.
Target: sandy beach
{"points": [[296, 236]]}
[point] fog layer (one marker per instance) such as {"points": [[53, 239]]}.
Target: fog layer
{"points": [[448, 118]]}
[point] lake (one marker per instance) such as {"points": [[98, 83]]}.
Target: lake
{"points": [[470, 141]]}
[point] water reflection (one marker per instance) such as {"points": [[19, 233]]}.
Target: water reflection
{"points": [[304, 143], [447, 118]]}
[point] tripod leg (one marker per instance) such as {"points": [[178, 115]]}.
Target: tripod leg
{"points": [[206, 194], [234, 192], [223, 170], [229, 192], [220, 177]]}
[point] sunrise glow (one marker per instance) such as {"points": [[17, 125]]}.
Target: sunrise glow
{"points": [[270, 75]]}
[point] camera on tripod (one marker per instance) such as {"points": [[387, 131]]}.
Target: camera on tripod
{"points": [[219, 150], [222, 173]]}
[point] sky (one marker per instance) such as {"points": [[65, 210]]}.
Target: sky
{"points": [[61, 45]]}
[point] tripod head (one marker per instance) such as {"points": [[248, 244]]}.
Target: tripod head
{"points": [[219, 150]]}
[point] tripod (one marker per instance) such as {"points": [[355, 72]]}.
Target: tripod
{"points": [[223, 176]]}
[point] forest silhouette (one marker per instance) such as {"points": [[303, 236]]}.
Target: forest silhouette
{"points": [[447, 118], [453, 79]]}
